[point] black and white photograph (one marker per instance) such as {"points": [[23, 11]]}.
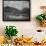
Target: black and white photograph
{"points": [[16, 0], [16, 10]]}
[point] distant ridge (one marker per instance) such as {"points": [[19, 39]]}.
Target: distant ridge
{"points": [[12, 14], [16, 11]]}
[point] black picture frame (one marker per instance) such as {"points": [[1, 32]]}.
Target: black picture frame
{"points": [[7, 11]]}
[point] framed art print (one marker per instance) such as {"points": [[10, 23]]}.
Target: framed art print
{"points": [[16, 10]]}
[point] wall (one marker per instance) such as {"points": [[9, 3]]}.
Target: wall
{"points": [[25, 28]]}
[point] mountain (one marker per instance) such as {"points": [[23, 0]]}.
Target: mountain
{"points": [[16, 11], [11, 10], [11, 13], [26, 10]]}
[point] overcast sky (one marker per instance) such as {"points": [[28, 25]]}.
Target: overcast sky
{"points": [[17, 4]]}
